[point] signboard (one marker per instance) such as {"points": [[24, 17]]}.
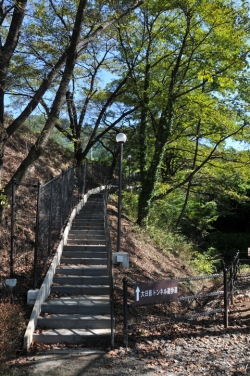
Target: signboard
{"points": [[156, 292], [248, 252]]}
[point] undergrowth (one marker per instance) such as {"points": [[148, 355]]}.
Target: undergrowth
{"points": [[11, 330], [172, 242]]}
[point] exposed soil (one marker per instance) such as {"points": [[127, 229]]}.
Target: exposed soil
{"points": [[157, 344]]}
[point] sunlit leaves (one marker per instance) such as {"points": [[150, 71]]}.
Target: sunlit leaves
{"points": [[186, 59]]}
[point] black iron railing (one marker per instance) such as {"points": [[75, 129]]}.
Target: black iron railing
{"points": [[55, 201], [110, 266], [21, 225], [228, 279], [39, 213]]}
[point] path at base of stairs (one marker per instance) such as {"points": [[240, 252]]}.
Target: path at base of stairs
{"points": [[82, 363]]}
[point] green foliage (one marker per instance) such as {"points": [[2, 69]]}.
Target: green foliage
{"points": [[244, 268], [160, 228], [171, 242], [3, 198], [36, 124], [164, 213], [199, 217], [227, 244], [189, 61], [130, 204], [207, 262]]}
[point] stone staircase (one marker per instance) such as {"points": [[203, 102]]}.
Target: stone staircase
{"points": [[78, 309]]}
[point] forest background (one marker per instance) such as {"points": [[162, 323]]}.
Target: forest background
{"points": [[172, 75]]}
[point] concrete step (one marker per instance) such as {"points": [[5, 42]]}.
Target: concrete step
{"points": [[83, 261], [85, 242], [80, 289], [73, 336], [87, 226], [85, 248], [82, 314], [86, 232], [76, 227], [81, 280], [90, 212], [83, 270], [75, 321], [84, 254], [88, 217], [85, 236], [87, 305]]}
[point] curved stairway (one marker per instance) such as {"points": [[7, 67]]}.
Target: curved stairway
{"points": [[78, 309]]}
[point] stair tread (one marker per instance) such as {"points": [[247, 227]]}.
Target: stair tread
{"points": [[80, 280], [80, 285], [87, 232], [70, 332], [86, 314], [83, 270], [62, 275], [90, 248], [83, 258], [76, 316], [85, 267], [84, 299], [85, 242], [84, 255]]}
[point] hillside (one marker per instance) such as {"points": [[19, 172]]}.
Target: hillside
{"points": [[54, 160], [147, 263]]}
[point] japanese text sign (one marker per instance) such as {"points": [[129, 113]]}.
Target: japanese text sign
{"points": [[152, 292]]}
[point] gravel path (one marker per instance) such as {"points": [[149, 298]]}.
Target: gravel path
{"points": [[213, 351], [204, 348]]}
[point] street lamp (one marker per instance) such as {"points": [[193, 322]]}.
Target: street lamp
{"points": [[120, 138], [129, 159]]}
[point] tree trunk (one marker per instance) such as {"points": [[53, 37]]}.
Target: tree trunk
{"points": [[6, 53], [43, 138]]}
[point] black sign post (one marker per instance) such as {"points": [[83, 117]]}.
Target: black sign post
{"points": [[146, 293], [156, 292]]}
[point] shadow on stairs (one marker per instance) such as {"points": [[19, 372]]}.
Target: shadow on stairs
{"points": [[78, 309]]}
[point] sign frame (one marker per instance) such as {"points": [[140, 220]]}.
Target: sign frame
{"points": [[155, 292]]}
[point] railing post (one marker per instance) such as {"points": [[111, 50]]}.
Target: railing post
{"points": [[78, 174], [84, 177], [110, 269], [231, 284], [125, 311], [72, 187], [13, 203], [36, 235], [50, 214], [225, 298], [62, 202]]}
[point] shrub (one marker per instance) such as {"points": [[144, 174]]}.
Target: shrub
{"points": [[206, 262], [130, 204]]}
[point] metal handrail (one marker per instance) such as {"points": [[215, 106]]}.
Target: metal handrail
{"points": [[110, 266]]}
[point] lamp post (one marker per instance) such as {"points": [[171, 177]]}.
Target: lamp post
{"points": [[120, 138], [129, 160]]}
